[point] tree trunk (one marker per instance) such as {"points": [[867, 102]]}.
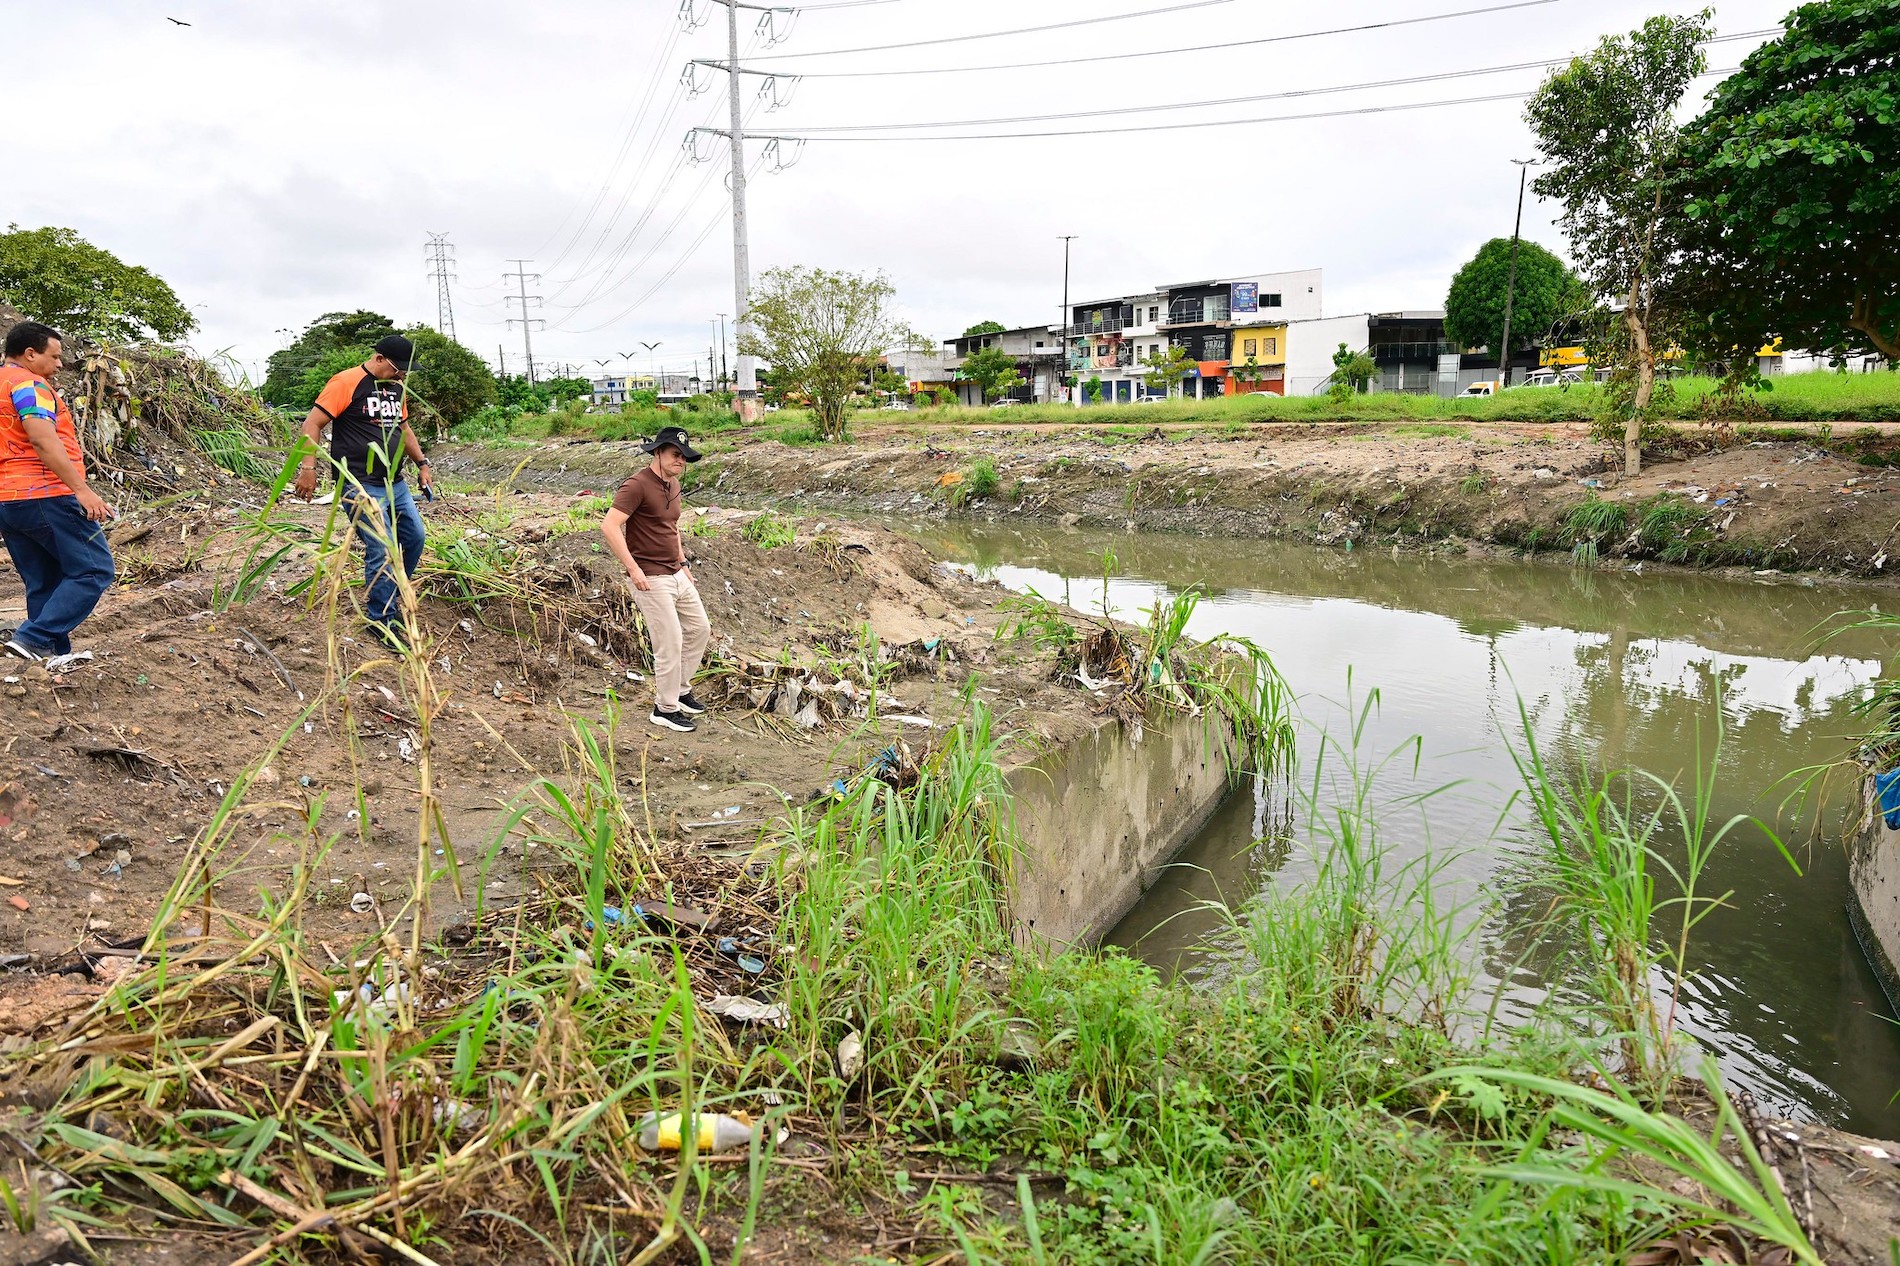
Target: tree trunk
{"points": [[1863, 320], [1645, 382]]}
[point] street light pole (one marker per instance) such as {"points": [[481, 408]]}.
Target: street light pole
{"points": [[1062, 345], [1510, 284]]}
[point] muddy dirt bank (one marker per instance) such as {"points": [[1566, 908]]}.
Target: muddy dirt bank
{"points": [[110, 770], [1784, 504]]}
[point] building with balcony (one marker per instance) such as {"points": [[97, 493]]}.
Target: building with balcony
{"points": [[1037, 351], [1201, 317], [1107, 340]]}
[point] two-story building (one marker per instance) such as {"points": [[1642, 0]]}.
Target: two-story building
{"points": [[1036, 350], [1258, 359]]}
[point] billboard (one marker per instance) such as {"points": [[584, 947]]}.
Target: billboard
{"points": [[1246, 297]]}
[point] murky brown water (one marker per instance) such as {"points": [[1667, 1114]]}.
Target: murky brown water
{"points": [[1614, 669]]}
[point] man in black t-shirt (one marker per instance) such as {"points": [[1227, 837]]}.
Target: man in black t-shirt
{"points": [[367, 411]]}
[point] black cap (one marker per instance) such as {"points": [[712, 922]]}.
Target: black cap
{"points": [[397, 350], [671, 437]]}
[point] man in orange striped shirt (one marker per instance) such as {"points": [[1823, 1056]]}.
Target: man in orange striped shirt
{"points": [[48, 515]]}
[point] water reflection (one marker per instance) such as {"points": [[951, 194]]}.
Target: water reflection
{"points": [[1605, 670]]}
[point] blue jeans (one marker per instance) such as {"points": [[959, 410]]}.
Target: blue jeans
{"points": [[63, 561], [382, 514]]}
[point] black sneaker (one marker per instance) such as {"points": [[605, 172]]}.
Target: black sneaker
{"points": [[673, 721], [691, 706], [389, 635], [20, 650]]}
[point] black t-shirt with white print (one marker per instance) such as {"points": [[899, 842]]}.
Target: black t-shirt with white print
{"points": [[366, 417]]}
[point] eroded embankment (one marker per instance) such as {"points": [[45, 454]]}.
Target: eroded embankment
{"points": [[1786, 504]]}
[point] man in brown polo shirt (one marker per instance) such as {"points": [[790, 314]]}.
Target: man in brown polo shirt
{"points": [[643, 531]]}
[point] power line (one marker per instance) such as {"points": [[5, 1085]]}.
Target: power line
{"points": [[1183, 127], [1025, 30], [442, 261], [646, 100], [1436, 77], [691, 250], [619, 253], [1166, 52]]}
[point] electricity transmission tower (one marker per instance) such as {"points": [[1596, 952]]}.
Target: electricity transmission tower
{"points": [[523, 277], [442, 270], [748, 380]]}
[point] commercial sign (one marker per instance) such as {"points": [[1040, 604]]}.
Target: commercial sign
{"points": [[1246, 297]]}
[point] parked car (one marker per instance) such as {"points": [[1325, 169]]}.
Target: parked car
{"points": [[1005, 404], [1480, 389]]}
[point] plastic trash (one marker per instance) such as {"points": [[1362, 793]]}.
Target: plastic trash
{"points": [[850, 1056], [1887, 787], [716, 1132], [747, 1010], [729, 946]]}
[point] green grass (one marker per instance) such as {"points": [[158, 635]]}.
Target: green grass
{"points": [[1810, 397], [771, 531], [1593, 520]]}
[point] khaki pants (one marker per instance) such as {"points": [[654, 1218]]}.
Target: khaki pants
{"points": [[676, 623]]}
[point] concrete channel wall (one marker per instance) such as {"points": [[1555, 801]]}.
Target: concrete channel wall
{"points": [[1873, 871], [1100, 817]]}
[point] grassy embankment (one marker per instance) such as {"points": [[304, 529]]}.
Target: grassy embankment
{"points": [[1821, 397], [421, 1099]]}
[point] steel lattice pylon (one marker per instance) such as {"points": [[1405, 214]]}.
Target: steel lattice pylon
{"points": [[442, 264]]}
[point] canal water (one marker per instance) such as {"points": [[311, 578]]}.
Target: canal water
{"points": [[1613, 670]]}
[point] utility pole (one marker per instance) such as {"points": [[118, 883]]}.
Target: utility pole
{"points": [[725, 362], [1064, 343], [501, 358], [1510, 284], [747, 386], [442, 259], [522, 276]]}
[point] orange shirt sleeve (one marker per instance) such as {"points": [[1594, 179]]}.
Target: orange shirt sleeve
{"points": [[339, 392]]}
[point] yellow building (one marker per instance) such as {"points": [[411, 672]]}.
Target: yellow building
{"points": [[1258, 360]]}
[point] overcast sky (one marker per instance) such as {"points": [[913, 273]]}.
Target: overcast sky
{"points": [[274, 161]]}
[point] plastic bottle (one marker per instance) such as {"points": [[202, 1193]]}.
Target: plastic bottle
{"points": [[717, 1132]]}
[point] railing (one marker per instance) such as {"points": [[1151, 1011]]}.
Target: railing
{"points": [[1099, 325]]}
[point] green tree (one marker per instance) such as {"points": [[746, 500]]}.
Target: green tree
{"points": [[451, 382], [561, 390], [1352, 371], [1474, 307], [1606, 125], [821, 331], [55, 276], [288, 367], [1167, 368], [1793, 188], [889, 381], [984, 327], [993, 371]]}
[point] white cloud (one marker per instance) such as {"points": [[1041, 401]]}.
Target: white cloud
{"points": [[275, 161]]}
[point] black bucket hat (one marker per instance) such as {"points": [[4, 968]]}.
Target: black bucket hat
{"points": [[672, 437]]}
